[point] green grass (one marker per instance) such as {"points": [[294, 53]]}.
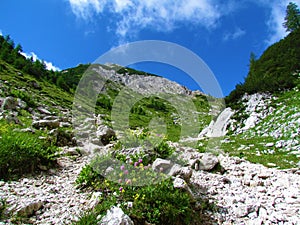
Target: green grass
{"points": [[47, 93], [280, 125], [254, 150], [23, 152]]}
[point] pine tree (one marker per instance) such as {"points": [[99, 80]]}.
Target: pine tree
{"points": [[292, 18]]}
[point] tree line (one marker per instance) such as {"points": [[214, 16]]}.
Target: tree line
{"points": [[274, 70]]}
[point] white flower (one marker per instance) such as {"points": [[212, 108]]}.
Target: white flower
{"points": [[129, 204]]}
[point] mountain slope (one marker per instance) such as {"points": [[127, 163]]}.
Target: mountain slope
{"points": [[266, 129], [89, 167], [274, 71]]}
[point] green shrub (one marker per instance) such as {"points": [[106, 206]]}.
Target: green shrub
{"points": [[22, 152], [155, 144], [24, 96], [159, 203], [3, 206], [88, 177]]}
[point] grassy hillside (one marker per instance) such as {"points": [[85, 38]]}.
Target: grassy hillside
{"points": [[30, 82], [274, 141]]}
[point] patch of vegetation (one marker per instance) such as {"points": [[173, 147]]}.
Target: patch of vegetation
{"points": [[23, 152], [131, 71], [254, 150], [158, 203], [153, 146], [3, 206]]}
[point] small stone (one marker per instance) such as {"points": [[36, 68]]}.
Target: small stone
{"points": [[42, 167], [269, 144], [241, 211], [95, 200], [44, 111]]}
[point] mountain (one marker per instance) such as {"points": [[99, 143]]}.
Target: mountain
{"points": [[103, 143]]}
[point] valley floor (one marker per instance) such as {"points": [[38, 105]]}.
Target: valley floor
{"points": [[246, 193]]}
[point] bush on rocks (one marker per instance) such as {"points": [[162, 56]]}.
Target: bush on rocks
{"points": [[22, 152]]}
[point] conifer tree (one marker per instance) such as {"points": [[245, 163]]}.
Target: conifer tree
{"points": [[292, 18]]}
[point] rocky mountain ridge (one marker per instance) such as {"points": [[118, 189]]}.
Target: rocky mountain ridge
{"points": [[143, 84]]}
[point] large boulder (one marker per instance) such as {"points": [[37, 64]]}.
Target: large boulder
{"points": [[30, 208], [105, 134], [161, 165], [9, 103], [182, 172], [116, 216], [208, 162]]}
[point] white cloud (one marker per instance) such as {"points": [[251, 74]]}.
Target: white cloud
{"points": [[161, 15], [235, 35], [165, 15], [84, 8], [1, 33], [49, 65], [276, 18]]}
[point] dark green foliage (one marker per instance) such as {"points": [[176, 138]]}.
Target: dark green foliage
{"points": [[272, 72], [292, 18], [68, 79], [88, 177], [11, 54], [103, 101], [23, 96], [3, 206], [130, 71], [160, 204], [163, 150], [157, 104]]}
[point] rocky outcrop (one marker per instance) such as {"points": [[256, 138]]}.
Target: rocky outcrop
{"points": [[105, 134], [161, 165], [144, 84], [29, 209], [196, 160], [116, 216], [9, 103], [254, 108], [208, 162], [218, 128]]}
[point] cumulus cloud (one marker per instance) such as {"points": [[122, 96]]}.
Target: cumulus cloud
{"points": [[49, 65], [161, 15], [1, 33], [235, 35]]}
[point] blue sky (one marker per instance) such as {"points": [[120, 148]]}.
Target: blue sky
{"points": [[65, 33]]}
